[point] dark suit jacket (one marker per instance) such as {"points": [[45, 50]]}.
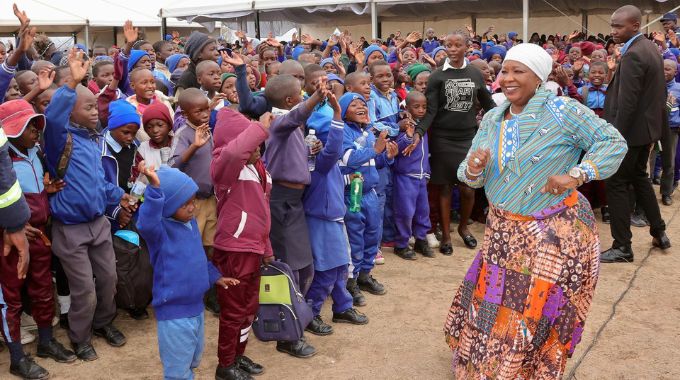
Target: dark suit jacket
{"points": [[636, 97]]}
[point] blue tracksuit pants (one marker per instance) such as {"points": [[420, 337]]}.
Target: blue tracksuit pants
{"points": [[411, 208], [331, 282], [363, 231]]}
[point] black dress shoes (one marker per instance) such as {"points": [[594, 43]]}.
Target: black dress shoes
{"points": [[249, 366], [112, 335], [318, 327], [358, 298], [446, 249], [661, 241], [423, 248], [233, 372], [85, 351], [298, 349], [405, 253], [620, 254], [26, 368], [56, 351], [350, 315]]}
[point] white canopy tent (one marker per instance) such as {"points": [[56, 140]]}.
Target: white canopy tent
{"points": [[325, 11]]}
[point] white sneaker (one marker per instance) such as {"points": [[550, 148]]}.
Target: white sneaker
{"points": [[379, 259], [432, 241], [26, 336]]}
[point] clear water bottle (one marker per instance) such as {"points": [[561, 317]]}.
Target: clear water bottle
{"points": [[361, 141], [165, 156], [138, 188], [310, 141]]}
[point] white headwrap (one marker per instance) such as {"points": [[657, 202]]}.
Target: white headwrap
{"points": [[534, 57]]}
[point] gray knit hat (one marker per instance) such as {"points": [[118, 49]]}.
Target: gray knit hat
{"points": [[195, 44]]}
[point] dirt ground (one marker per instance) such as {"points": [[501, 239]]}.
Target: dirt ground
{"points": [[635, 314]]}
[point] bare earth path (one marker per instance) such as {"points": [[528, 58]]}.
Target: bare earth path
{"points": [[404, 339]]}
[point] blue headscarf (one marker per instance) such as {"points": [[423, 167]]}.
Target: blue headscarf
{"points": [[493, 50], [173, 60], [135, 56]]}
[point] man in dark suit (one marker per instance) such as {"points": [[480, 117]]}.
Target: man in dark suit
{"points": [[635, 105]]}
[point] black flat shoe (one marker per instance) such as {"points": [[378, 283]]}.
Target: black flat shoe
{"points": [[369, 284], [446, 249], [249, 366], [318, 327], [112, 335], [350, 315], [28, 369], [405, 253], [617, 255], [298, 349], [56, 351], [661, 241], [85, 352], [138, 314], [470, 241], [233, 372]]}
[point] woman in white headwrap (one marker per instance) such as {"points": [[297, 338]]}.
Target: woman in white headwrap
{"points": [[523, 303]]}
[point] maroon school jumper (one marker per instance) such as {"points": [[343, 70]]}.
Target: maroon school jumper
{"points": [[243, 224], [38, 278]]}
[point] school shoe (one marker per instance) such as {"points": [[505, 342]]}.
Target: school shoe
{"points": [[28, 369], [299, 349], [661, 241], [379, 258], [112, 335], [638, 220], [666, 200], [423, 247], [606, 218], [247, 365], [358, 298], [405, 253], [369, 284], [138, 314], [55, 350], [233, 372], [318, 327], [350, 315], [432, 240], [446, 249], [85, 351], [620, 254]]}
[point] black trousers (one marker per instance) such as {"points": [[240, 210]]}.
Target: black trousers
{"points": [[633, 171]]}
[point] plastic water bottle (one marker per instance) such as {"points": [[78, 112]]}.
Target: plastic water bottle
{"points": [[356, 193], [165, 156], [361, 141], [310, 141], [137, 189]]}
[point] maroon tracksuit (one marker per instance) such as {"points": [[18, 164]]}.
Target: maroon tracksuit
{"points": [[238, 304], [39, 277]]}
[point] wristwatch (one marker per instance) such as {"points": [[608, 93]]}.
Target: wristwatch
{"points": [[578, 174]]}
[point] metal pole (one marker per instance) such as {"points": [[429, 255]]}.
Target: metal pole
{"points": [[584, 20], [257, 24], [87, 37], [525, 20], [374, 20], [164, 24]]}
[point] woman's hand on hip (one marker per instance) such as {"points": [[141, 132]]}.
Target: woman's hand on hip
{"points": [[558, 184]]}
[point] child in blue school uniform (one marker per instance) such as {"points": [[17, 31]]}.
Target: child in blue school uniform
{"points": [[364, 153], [324, 209], [411, 173]]}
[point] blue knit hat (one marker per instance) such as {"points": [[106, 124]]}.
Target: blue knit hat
{"points": [[173, 60], [332, 77], [437, 50], [121, 112], [297, 51], [135, 56], [371, 49], [328, 60], [177, 189], [347, 99]]}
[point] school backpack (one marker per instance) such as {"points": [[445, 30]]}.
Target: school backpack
{"points": [[134, 270], [284, 312]]}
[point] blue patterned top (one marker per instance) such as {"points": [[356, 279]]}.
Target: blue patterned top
{"points": [[547, 138]]}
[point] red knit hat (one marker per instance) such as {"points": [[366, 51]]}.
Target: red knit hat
{"points": [[15, 116], [157, 110]]}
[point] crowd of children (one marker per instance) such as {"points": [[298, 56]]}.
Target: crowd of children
{"points": [[197, 147]]}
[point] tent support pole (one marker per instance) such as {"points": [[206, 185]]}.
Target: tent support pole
{"points": [[164, 25], [374, 20], [525, 20], [87, 37], [584, 21], [257, 24]]}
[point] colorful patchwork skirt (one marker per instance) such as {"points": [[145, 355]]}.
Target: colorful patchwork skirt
{"points": [[521, 309]]}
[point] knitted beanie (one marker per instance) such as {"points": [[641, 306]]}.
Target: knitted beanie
{"points": [[121, 112], [173, 60], [135, 56], [347, 99], [157, 110], [177, 189], [195, 44]]}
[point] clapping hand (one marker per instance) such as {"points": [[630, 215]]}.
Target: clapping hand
{"points": [[202, 135], [381, 142]]}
